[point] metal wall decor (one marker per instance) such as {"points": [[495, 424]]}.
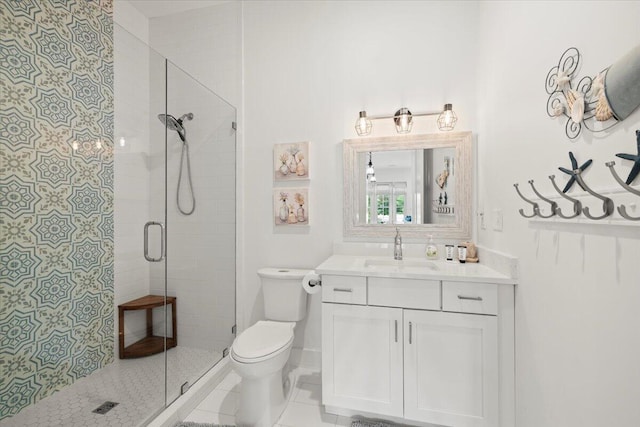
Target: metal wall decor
{"points": [[596, 103], [572, 172], [635, 170], [577, 101]]}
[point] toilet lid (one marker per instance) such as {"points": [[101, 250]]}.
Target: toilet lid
{"points": [[262, 339]]}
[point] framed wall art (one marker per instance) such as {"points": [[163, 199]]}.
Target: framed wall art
{"points": [[291, 206], [291, 161]]}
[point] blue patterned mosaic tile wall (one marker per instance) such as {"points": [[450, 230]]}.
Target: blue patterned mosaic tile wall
{"points": [[56, 196]]}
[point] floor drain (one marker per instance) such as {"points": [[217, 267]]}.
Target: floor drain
{"points": [[105, 407]]}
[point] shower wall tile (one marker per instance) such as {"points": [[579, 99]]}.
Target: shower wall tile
{"points": [[56, 196], [132, 86]]}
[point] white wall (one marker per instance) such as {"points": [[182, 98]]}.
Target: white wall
{"points": [[206, 43], [309, 67], [577, 320], [129, 18]]}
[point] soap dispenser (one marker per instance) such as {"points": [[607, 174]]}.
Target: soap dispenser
{"points": [[432, 249]]}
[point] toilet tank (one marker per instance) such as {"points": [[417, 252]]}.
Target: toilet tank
{"points": [[284, 298]]}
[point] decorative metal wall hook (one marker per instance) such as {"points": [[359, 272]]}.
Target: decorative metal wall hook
{"points": [[536, 208], [622, 209], [607, 204], [577, 205], [553, 204]]}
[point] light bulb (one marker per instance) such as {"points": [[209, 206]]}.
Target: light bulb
{"points": [[99, 144], [122, 141], [363, 124], [447, 119], [371, 173], [403, 120], [74, 145]]}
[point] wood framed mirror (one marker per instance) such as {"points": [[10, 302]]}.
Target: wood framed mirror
{"points": [[423, 185]]}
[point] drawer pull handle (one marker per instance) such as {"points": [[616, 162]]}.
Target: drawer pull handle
{"points": [[342, 290], [470, 298], [410, 332]]}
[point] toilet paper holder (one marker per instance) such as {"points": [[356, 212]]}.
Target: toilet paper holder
{"points": [[313, 283]]}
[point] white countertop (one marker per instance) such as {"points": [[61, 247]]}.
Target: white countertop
{"points": [[411, 268]]}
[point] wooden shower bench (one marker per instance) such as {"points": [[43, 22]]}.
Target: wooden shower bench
{"points": [[150, 344]]}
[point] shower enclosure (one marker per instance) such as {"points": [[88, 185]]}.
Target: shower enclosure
{"points": [[179, 185], [101, 204]]}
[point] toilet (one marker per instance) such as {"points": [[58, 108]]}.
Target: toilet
{"points": [[260, 352]]}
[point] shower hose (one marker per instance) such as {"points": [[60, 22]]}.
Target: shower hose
{"points": [[185, 148]]}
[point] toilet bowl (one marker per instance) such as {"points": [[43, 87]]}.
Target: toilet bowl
{"points": [[259, 355], [260, 352]]}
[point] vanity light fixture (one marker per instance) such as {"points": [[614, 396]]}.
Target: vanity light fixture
{"points": [[371, 173], [403, 119]]}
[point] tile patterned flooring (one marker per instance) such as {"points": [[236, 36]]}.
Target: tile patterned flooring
{"points": [[136, 384], [303, 409]]}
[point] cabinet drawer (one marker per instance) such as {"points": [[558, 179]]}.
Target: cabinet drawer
{"points": [[344, 289], [406, 293], [478, 298]]}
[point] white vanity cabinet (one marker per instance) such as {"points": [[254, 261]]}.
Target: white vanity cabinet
{"points": [[421, 350], [362, 358], [451, 368]]}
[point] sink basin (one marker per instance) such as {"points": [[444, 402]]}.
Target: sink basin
{"points": [[392, 265]]}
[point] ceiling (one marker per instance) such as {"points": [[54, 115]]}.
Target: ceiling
{"points": [[154, 8]]}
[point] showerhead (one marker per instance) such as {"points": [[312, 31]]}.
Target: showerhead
{"points": [[176, 124], [188, 116]]}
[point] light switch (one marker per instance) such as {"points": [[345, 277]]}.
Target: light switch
{"points": [[497, 219]]}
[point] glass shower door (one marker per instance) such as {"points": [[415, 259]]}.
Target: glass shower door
{"points": [[200, 227]]}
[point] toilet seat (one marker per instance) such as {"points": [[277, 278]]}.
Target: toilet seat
{"points": [[262, 341]]}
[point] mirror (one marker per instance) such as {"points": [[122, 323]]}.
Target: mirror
{"points": [[422, 185]]}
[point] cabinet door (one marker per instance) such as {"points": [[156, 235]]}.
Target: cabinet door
{"points": [[451, 368], [362, 358]]}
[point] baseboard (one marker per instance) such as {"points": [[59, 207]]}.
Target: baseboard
{"points": [[306, 358], [185, 404]]}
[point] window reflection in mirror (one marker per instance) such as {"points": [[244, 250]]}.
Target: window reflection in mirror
{"points": [[411, 186]]}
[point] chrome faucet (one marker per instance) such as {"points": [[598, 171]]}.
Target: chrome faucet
{"points": [[397, 246]]}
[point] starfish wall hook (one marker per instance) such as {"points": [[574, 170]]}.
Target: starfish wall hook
{"points": [[635, 170], [572, 173]]}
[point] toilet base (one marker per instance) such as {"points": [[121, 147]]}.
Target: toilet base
{"points": [[262, 400]]}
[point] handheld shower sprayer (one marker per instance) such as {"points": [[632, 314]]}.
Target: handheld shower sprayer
{"points": [[177, 125]]}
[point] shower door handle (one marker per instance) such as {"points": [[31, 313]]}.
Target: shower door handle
{"points": [[146, 241]]}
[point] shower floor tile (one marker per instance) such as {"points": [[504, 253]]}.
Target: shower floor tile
{"points": [[136, 384]]}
